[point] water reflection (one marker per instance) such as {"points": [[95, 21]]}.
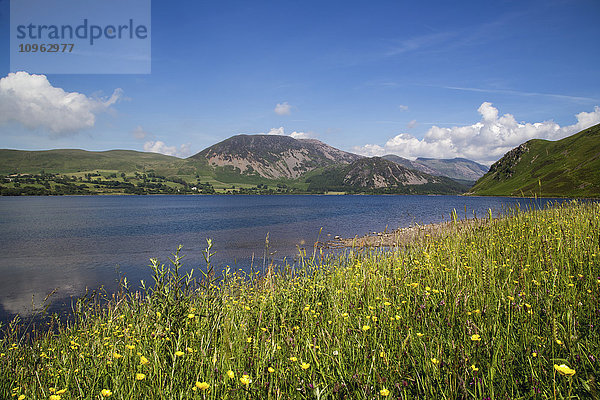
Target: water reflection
{"points": [[68, 244]]}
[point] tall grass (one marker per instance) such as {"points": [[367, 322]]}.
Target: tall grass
{"points": [[489, 311]]}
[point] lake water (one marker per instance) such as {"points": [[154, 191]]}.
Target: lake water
{"points": [[69, 243]]}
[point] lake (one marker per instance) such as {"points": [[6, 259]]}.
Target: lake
{"points": [[71, 243]]}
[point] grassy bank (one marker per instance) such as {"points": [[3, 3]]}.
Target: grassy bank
{"points": [[493, 311]]}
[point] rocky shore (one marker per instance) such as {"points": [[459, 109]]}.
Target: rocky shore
{"points": [[403, 236]]}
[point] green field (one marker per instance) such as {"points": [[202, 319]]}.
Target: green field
{"points": [[60, 172], [505, 309]]}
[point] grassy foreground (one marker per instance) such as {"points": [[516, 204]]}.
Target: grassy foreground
{"points": [[508, 309]]}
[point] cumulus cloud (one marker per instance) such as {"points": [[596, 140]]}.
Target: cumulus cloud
{"points": [[411, 124], [162, 148], [139, 133], [283, 108], [295, 135], [32, 101], [402, 107], [485, 142]]}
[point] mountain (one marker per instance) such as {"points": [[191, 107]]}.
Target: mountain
{"points": [[405, 162], [72, 160], [459, 169], [381, 176], [272, 156], [564, 168], [240, 164]]}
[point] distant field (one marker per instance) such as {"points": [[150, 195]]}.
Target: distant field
{"points": [[122, 172]]}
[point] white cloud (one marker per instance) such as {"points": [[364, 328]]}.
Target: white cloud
{"points": [[139, 133], [295, 135], [485, 142], [276, 131], [283, 108], [411, 124], [33, 102], [162, 148], [402, 107]]}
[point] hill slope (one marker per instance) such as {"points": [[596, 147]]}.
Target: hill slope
{"points": [[72, 160], [564, 168], [381, 176], [273, 156], [455, 168]]}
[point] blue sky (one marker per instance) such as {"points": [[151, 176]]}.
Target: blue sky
{"points": [[428, 79]]}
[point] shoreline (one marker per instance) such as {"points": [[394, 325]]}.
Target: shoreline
{"points": [[403, 236]]}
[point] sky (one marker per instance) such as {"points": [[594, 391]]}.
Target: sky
{"points": [[441, 79]]}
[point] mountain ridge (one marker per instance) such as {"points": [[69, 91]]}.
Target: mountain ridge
{"points": [[458, 168], [236, 164], [273, 156], [378, 175]]}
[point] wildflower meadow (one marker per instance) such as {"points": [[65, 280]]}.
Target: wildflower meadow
{"points": [[505, 309]]}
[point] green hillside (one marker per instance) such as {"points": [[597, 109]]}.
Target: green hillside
{"points": [[565, 168], [68, 161]]}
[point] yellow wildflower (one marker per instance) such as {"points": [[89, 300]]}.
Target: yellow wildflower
{"points": [[191, 316], [293, 359], [384, 392], [105, 393], [474, 368], [435, 361], [475, 338], [61, 391], [144, 360], [179, 353], [230, 374], [245, 380], [140, 377], [305, 366], [271, 369], [21, 397], [366, 328], [202, 385], [54, 397], [564, 370]]}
